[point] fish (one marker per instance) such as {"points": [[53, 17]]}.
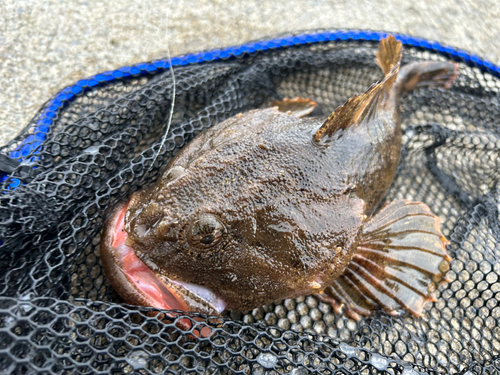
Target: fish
{"points": [[273, 204]]}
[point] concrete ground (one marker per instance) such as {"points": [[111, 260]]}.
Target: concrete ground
{"points": [[47, 45]]}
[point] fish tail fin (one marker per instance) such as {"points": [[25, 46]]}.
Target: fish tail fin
{"points": [[389, 54], [358, 107], [426, 74], [399, 263], [414, 75]]}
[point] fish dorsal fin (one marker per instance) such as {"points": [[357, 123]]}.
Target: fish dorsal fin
{"points": [[359, 106], [356, 109]]}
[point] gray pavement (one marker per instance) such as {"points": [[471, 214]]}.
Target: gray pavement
{"points": [[47, 45]]}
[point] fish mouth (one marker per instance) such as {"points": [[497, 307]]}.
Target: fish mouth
{"points": [[137, 284]]}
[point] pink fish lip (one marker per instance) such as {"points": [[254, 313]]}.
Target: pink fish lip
{"points": [[137, 284]]}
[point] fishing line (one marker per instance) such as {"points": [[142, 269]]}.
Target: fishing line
{"points": [[169, 121]]}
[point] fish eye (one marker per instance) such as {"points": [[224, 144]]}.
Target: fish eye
{"points": [[205, 232]]}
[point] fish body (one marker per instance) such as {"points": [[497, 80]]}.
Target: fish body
{"points": [[270, 205]]}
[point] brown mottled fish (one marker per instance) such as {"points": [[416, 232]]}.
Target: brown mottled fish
{"points": [[270, 205]]}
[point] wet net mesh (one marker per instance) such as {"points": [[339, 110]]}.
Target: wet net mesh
{"points": [[58, 313]]}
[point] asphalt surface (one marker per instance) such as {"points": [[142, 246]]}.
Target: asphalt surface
{"points": [[47, 45]]}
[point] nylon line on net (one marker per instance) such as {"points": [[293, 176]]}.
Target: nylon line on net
{"points": [[172, 106]]}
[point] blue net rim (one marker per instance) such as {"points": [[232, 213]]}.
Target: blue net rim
{"points": [[51, 109]]}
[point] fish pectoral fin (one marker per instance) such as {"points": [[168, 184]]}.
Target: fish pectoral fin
{"points": [[299, 107], [399, 263], [359, 107]]}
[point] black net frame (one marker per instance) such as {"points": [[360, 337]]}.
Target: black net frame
{"points": [[92, 145]]}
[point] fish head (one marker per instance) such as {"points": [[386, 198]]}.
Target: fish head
{"points": [[225, 225]]}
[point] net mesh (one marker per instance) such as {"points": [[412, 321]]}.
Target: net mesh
{"points": [[59, 314]]}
